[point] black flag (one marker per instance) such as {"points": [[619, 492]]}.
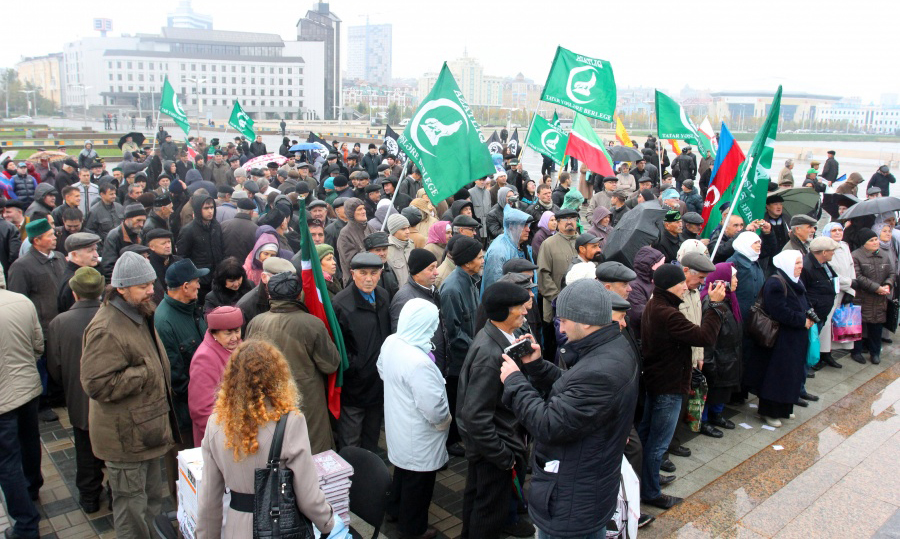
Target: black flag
{"points": [[494, 145], [390, 140], [513, 144], [316, 138]]}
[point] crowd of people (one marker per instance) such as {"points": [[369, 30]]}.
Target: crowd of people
{"points": [[161, 304]]}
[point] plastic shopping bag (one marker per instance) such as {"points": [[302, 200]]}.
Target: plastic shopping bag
{"points": [[846, 323]]}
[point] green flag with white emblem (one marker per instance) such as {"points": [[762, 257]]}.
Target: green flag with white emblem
{"points": [[445, 142], [168, 105], [241, 121], [672, 122], [583, 84], [548, 139], [555, 120]]}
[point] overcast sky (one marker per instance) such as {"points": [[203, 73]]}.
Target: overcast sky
{"points": [[827, 47]]}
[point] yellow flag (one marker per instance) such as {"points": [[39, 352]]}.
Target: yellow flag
{"points": [[621, 134]]}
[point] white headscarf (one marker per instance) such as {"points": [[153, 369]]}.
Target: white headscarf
{"points": [[785, 261], [744, 244], [692, 246]]}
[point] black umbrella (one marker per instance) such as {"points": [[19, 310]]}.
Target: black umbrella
{"points": [[137, 138], [637, 228], [831, 201], [875, 206], [625, 153]]}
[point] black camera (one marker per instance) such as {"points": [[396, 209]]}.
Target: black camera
{"points": [[811, 314]]}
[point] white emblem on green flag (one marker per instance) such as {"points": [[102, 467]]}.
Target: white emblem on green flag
{"points": [[168, 105], [445, 142], [672, 122], [241, 121], [547, 139], [581, 83]]}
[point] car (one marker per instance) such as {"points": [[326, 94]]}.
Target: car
{"points": [[20, 119], [404, 122]]}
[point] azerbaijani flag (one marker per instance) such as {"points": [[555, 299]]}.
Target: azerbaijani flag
{"points": [[585, 146], [725, 169], [318, 302], [621, 133]]}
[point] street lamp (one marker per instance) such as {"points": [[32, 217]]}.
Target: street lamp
{"points": [[197, 82], [28, 101], [84, 90]]}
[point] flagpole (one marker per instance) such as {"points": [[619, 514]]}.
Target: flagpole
{"points": [[734, 202], [527, 133], [396, 191], [155, 131]]}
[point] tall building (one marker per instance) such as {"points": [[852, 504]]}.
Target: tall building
{"points": [[208, 69], [480, 90], [369, 53], [184, 17], [43, 72], [320, 25]]}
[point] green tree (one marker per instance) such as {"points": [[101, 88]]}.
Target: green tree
{"points": [[393, 114]]}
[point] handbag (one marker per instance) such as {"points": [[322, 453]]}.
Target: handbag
{"points": [[846, 323], [275, 511], [892, 317], [761, 327], [812, 353]]}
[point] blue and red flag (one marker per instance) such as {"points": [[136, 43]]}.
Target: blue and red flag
{"points": [[728, 160]]}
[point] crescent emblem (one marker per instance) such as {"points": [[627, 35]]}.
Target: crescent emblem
{"points": [[586, 90], [428, 107]]}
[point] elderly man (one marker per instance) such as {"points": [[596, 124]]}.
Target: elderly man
{"points": [[481, 202], [131, 407], [37, 274], [128, 233], [554, 259], [82, 252], [802, 229], [257, 300], [733, 228], [669, 237], [692, 223], [363, 312], [819, 278], [602, 198], [787, 175]]}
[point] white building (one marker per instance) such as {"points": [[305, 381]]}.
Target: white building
{"points": [[369, 53], [185, 17], [479, 89], [868, 118], [208, 69]]}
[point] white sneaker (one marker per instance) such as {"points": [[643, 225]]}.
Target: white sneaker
{"points": [[792, 416], [771, 421]]}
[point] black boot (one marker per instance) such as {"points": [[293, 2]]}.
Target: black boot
{"points": [[828, 360]]}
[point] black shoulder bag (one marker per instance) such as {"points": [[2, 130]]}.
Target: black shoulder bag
{"points": [[761, 327]]}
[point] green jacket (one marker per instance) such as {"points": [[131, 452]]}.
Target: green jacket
{"points": [[180, 327]]}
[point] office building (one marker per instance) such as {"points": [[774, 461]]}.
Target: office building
{"points": [[43, 73], [369, 53], [320, 25], [185, 17]]}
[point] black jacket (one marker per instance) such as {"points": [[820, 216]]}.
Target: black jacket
{"points": [[819, 281], [10, 243], [722, 361], [154, 221], [883, 182], [559, 195], [488, 427], [668, 245], [412, 290], [200, 241], [258, 148], [686, 167], [584, 424], [239, 236], [254, 302], [830, 169], [365, 327], [112, 245]]}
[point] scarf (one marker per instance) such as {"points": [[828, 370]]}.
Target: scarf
{"points": [[785, 261], [743, 244], [724, 272]]}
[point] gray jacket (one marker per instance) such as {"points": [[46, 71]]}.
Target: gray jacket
{"points": [[411, 290], [460, 297]]}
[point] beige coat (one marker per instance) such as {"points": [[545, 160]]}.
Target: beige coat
{"points": [[444, 269], [397, 256], [692, 309], [23, 344], [311, 355], [220, 471], [553, 262]]}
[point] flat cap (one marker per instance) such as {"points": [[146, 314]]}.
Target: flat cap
{"points": [[366, 260], [873, 191], [275, 265], [698, 262], [321, 203], [584, 239], [565, 213], [619, 303], [614, 272], [821, 243], [692, 218], [465, 221], [80, 240], [158, 233], [376, 239], [802, 219], [518, 265]]}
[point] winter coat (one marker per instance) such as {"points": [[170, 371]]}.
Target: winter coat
{"points": [[202, 241], [873, 270], [370, 163], [692, 200], [850, 185], [389, 281], [830, 170], [722, 360], [219, 173], [365, 327], [117, 238], [24, 187], [489, 429], [819, 280], [23, 345], [777, 374], [125, 372], [539, 237], [254, 303], [206, 371], [180, 327], [41, 191], [10, 243], [416, 410], [666, 341], [220, 296], [460, 297], [238, 236], [750, 281], [481, 205], [553, 262], [258, 148], [600, 199], [37, 277], [411, 290], [504, 248], [684, 168], [397, 255], [601, 231], [882, 181], [350, 240], [668, 245], [102, 218], [312, 356], [642, 287], [583, 423], [64, 359]]}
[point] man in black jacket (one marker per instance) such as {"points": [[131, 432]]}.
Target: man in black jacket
{"points": [[685, 166], [422, 274], [819, 278], [584, 423], [830, 170], [562, 187], [128, 233], [363, 312], [495, 447], [201, 240]]}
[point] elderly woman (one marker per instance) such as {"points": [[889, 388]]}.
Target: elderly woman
{"points": [[257, 390], [842, 264], [223, 335], [329, 268], [229, 284], [600, 221], [546, 228], [722, 361], [417, 416], [782, 369], [875, 281], [747, 246]]}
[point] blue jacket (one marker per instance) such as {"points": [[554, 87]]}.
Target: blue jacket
{"points": [[750, 281], [504, 247], [24, 187]]}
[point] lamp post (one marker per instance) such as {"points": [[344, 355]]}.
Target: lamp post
{"points": [[84, 90], [28, 100], [197, 82]]}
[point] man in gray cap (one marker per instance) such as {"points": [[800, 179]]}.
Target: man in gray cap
{"points": [[465, 225], [692, 227], [873, 192], [819, 277], [131, 409], [363, 312], [802, 229], [587, 249], [82, 249], [377, 243], [586, 418], [616, 277], [127, 233]]}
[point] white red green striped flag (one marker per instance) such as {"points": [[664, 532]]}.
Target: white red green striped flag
{"points": [[318, 303], [586, 146]]}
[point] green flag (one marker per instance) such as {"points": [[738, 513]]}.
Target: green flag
{"points": [[445, 142], [241, 121], [555, 120], [547, 138], [585, 85], [168, 105], [672, 122], [755, 172]]}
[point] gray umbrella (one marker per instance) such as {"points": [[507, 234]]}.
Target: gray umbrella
{"points": [[625, 153], [637, 228], [875, 206]]}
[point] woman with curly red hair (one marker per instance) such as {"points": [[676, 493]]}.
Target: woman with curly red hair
{"points": [[256, 390]]}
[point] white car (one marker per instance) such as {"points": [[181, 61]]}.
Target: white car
{"points": [[20, 119], [404, 122]]}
